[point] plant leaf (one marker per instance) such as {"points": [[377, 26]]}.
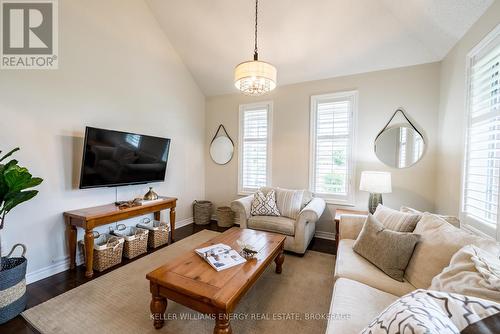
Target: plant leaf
{"points": [[17, 178], [9, 154], [18, 198]]}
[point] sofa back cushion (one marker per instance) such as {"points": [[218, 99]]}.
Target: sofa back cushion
{"points": [[450, 219], [396, 220], [439, 241]]}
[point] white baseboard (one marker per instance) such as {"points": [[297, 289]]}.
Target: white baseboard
{"points": [[184, 222], [55, 268], [63, 264], [325, 235]]}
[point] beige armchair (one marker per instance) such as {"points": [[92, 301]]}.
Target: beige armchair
{"points": [[298, 232]]}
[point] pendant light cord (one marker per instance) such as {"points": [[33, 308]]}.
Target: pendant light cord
{"points": [[255, 51]]}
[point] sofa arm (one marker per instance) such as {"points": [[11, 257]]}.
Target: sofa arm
{"points": [[312, 211], [350, 226], [242, 208]]}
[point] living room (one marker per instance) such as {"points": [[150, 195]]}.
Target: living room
{"points": [[347, 151]]}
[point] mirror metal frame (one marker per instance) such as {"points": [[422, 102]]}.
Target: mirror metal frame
{"points": [[386, 127], [226, 135]]}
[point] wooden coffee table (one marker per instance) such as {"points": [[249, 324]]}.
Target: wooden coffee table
{"points": [[190, 281]]}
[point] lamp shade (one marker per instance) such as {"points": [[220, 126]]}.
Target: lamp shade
{"points": [[375, 182], [255, 77]]}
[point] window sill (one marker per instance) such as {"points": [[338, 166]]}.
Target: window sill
{"points": [[330, 201], [246, 192]]}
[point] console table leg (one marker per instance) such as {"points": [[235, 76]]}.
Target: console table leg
{"points": [[172, 222], [89, 253], [158, 306], [279, 259], [71, 242], [222, 325]]}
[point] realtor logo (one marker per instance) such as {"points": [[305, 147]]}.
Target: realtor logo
{"points": [[29, 34]]}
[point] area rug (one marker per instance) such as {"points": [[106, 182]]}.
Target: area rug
{"points": [[297, 301]]}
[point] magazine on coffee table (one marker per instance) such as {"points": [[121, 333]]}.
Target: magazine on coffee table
{"points": [[220, 256]]}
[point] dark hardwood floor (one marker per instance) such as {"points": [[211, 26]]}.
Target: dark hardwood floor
{"points": [[55, 285]]}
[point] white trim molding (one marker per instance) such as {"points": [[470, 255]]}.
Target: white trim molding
{"points": [[324, 235]]}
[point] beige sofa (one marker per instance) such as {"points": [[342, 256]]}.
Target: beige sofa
{"points": [[299, 232], [362, 291]]}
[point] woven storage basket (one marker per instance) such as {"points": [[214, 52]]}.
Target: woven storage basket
{"points": [[136, 240], [12, 285], [108, 250], [201, 212], [225, 216], [158, 232]]}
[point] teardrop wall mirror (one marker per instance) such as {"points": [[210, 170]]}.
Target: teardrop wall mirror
{"points": [[401, 145], [221, 147]]}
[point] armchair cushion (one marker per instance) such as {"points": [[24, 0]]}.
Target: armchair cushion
{"points": [[289, 202], [280, 225]]}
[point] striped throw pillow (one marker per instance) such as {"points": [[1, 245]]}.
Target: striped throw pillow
{"points": [[396, 220], [289, 202]]}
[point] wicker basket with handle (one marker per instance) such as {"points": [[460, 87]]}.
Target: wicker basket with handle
{"points": [[158, 232], [201, 212], [225, 216], [13, 284], [136, 240], [108, 250]]}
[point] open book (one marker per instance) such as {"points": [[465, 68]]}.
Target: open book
{"points": [[220, 256]]}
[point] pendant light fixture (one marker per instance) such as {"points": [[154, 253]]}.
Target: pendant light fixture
{"points": [[255, 77]]}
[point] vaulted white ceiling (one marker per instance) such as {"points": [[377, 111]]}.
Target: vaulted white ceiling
{"points": [[312, 39]]}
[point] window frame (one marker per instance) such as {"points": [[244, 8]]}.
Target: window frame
{"points": [[467, 222], [268, 105], [349, 199]]}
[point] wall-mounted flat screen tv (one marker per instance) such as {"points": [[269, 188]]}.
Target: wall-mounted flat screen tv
{"points": [[114, 158]]}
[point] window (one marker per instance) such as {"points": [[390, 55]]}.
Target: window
{"points": [[332, 136], [255, 147], [480, 200], [403, 140]]}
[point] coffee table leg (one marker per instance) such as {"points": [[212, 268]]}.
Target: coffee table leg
{"points": [[279, 259], [222, 325], [158, 306]]}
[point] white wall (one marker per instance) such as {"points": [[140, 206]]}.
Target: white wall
{"points": [[414, 88], [116, 70], [452, 113]]}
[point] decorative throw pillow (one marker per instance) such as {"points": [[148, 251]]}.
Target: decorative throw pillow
{"points": [[434, 312], [388, 250], [264, 205], [450, 219], [472, 272], [396, 220], [289, 202]]}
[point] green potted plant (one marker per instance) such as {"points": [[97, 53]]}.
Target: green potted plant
{"points": [[14, 182]]}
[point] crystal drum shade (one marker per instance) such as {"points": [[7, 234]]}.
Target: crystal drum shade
{"points": [[255, 77]]}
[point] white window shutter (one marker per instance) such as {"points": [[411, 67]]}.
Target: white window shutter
{"points": [[254, 148], [480, 203], [332, 166]]}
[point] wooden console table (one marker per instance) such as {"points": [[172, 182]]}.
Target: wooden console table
{"points": [[89, 218]]}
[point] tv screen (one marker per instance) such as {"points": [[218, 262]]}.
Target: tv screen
{"points": [[115, 158]]}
